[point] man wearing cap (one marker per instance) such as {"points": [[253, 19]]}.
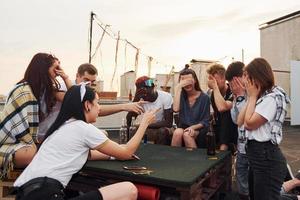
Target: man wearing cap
{"points": [[158, 132]]}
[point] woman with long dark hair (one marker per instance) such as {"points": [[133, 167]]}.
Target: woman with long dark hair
{"points": [[28, 104], [193, 107], [69, 142], [263, 117]]}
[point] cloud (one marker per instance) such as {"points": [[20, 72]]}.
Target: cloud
{"points": [[181, 27], [234, 19]]}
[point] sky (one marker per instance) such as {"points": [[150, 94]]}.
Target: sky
{"points": [[171, 31]]}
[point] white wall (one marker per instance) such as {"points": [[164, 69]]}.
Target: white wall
{"points": [[295, 89], [280, 43]]}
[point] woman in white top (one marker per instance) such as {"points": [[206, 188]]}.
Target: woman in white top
{"points": [[263, 117], [69, 142]]}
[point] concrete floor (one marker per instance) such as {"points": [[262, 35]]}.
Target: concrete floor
{"points": [[290, 146]]}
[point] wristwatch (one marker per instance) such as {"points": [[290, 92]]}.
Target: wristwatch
{"points": [[240, 99]]}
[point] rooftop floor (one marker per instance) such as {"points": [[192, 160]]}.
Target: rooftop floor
{"points": [[290, 146]]}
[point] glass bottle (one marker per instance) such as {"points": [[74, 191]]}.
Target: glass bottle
{"points": [[132, 128], [123, 135], [211, 139], [130, 95]]}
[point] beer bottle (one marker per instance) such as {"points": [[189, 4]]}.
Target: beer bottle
{"points": [[130, 95], [123, 137], [132, 128], [211, 139]]}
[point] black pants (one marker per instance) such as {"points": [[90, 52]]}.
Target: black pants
{"points": [[268, 168], [45, 188]]}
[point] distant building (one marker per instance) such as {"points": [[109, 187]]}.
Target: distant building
{"points": [[169, 81], [127, 84], [280, 44], [200, 67]]}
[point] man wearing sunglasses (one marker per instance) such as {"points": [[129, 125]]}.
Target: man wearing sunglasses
{"points": [[158, 132]]}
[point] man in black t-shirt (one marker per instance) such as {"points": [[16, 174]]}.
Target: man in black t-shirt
{"points": [[221, 101]]}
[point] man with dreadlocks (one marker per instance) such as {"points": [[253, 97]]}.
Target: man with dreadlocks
{"points": [[158, 132]]}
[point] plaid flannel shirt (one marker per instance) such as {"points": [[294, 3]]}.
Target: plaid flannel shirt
{"points": [[281, 100], [18, 125]]}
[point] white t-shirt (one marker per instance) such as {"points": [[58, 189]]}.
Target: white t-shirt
{"points": [[164, 101], [63, 153], [63, 86], [267, 109]]}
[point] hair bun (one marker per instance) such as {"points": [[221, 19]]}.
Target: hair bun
{"points": [[186, 66]]}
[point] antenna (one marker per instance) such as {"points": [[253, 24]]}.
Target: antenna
{"points": [[90, 36]]}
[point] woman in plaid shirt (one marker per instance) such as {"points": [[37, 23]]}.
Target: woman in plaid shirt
{"points": [[29, 103], [262, 118]]}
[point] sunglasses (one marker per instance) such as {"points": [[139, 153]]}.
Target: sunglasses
{"points": [[149, 83]]}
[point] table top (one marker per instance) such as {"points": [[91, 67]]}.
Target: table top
{"points": [[171, 165]]}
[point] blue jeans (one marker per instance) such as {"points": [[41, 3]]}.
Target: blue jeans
{"points": [[268, 166], [242, 168]]}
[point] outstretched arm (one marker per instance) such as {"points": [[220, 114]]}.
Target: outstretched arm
{"points": [[125, 152], [130, 107]]}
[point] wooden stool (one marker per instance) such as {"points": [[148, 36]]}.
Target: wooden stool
{"points": [[6, 185]]}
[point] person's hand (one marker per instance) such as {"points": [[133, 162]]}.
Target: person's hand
{"points": [[297, 182], [185, 82], [211, 82], [136, 107], [190, 131], [60, 72], [149, 117], [252, 88], [237, 88]]}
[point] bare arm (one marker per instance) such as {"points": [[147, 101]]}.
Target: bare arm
{"points": [[221, 104], [112, 109], [241, 116], [97, 155], [291, 184], [59, 95], [60, 72], [178, 90], [176, 101], [253, 120], [124, 152], [197, 126]]}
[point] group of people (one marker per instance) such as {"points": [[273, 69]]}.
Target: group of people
{"points": [[46, 126]]}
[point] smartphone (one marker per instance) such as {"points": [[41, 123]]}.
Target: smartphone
{"points": [[134, 168]]}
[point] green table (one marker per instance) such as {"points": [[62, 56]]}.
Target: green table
{"points": [[191, 174]]}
